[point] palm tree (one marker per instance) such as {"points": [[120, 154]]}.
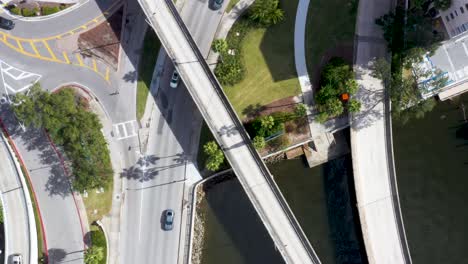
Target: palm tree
{"points": [[266, 12]]}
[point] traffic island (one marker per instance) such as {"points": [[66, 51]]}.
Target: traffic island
{"points": [[35, 8]]}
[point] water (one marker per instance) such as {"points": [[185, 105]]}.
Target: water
{"points": [[318, 196], [432, 172]]}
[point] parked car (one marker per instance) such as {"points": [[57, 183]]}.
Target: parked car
{"points": [[17, 259], [175, 79], [217, 4], [6, 23], [168, 219]]}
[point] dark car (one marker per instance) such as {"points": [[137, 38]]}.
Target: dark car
{"points": [[6, 23], [168, 219], [217, 4]]}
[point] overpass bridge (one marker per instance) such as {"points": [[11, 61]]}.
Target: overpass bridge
{"points": [[227, 129]]}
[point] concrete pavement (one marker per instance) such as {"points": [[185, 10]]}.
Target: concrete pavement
{"points": [[166, 169], [19, 222], [374, 175], [229, 132]]}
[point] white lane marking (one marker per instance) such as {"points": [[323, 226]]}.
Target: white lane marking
{"points": [[19, 82], [121, 131]]}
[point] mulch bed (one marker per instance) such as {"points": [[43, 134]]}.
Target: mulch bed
{"points": [[103, 41]]}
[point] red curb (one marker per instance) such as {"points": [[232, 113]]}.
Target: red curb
{"points": [[62, 162], [28, 178]]}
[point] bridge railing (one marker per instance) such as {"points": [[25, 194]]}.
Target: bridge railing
{"points": [[240, 128]]}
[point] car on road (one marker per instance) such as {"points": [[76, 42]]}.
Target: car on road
{"points": [[217, 4], [168, 219], [6, 23], [17, 259], [175, 79]]}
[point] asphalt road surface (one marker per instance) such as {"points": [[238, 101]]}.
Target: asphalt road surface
{"points": [[157, 182], [14, 202]]}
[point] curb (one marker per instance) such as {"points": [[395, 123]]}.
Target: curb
{"points": [[28, 178], [5, 227], [194, 189], [47, 17]]}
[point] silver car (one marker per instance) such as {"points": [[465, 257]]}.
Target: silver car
{"points": [[175, 79], [17, 259], [168, 219]]}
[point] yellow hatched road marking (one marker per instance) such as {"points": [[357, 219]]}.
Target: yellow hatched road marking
{"points": [[50, 50], [66, 57], [107, 74], [31, 43], [78, 57], [19, 45]]}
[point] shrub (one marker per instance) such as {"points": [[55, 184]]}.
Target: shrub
{"points": [[220, 45], [300, 110], [30, 12], [279, 143], [259, 142], [230, 71], [266, 12], [46, 10], [215, 156], [15, 10], [322, 117], [267, 126], [354, 106]]}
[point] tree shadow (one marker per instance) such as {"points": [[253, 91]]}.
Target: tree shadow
{"points": [[131, 76], [58, 182], [56, 255], [253, 111], [277, 45], [147, 168]]}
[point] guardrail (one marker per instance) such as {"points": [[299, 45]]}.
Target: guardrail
{"points": [[240, 128]]}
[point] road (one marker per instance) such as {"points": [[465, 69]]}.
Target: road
{"points": [[374, 175], [16, 218], [230, 134], [158, 183]]}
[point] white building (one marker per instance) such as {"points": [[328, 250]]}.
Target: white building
{"points": [[456, 17]]}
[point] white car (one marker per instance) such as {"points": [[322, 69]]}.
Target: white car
{"points": [[17, 259], [175, 79]]}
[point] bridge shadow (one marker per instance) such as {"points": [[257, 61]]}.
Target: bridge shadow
{"points": [[234, 232]]}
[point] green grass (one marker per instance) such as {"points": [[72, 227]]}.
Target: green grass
{"points": [[268, 56], [151, 48], [98, 239], [102, 202], [46, 10], [330, 23], [231, 4]]}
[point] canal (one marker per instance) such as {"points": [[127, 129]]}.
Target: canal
{"points": [[318, 196], [431, 159]]}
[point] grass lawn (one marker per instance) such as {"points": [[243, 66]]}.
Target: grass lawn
{"points": [[268, 56], [231, 4], [151, 47], [101, 202], [330, 24]]}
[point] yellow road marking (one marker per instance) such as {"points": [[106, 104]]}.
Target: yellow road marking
{"points": [[95, 65], [78, 57], [19, 45], [31, 43], [50, 50], [107, 74], [66, 57]]}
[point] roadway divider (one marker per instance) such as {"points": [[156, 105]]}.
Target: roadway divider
{"points": [[242, 132], [18, 161]]}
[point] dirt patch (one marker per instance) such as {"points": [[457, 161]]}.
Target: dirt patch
{"points": [[345, 51], [103, 41], [282, 105]]}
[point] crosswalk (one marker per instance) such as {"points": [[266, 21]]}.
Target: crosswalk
{"points": [[124, 130]]}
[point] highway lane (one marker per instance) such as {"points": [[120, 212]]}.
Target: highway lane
{"points": [[17, 226], [158, 183]]}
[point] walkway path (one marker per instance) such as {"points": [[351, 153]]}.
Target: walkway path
{"points": [[372, 150]]}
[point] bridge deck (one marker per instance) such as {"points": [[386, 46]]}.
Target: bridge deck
{"points": [[229, 132]]}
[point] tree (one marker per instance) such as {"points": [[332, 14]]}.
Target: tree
{"points": [[442, 4], [325, 93], [266, 12], [215, 156], [300, 110], [322, 117], [334, 107], [94, 255], [267, 122], [220, 45], [381, 69], [259, 142], [354, 106]]}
